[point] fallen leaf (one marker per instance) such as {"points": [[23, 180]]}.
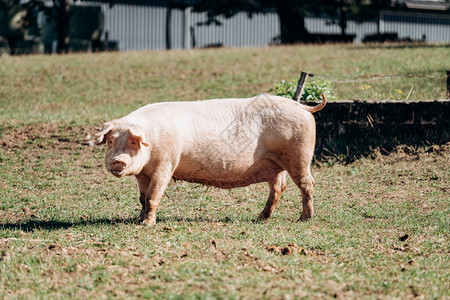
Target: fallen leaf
{"points": [[167, 228], [272, 248]]}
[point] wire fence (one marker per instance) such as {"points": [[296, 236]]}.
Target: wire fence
{"points": [[361, 78], [440, 88]]}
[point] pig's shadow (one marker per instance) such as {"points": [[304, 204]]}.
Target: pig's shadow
{"points": [[31, 225], [35, 224]]}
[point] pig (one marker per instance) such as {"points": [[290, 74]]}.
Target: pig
{"points": [[225, 143]]}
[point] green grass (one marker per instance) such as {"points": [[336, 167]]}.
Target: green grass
{"points": [[87, 88], [67, 226]]}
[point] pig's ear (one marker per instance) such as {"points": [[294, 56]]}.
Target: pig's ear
{"points": [[138, 133], [101, 136]]}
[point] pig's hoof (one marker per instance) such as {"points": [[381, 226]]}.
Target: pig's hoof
{"points": [[304, 216], [140, 218], [259, 220], [262, 218], [149, 221]]}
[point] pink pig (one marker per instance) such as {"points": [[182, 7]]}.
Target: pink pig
{"points": [[225, 143]]}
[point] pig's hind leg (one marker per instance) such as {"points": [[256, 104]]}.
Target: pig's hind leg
{"points": [[277, 186], [299, 168], [305, 182]]}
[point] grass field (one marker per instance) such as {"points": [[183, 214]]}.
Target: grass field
{"points": [[90, 88], [67, 227]]}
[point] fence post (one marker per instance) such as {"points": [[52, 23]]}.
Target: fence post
{"points": [[168, 28], [301, 85], [187, 27], [381, 22]]}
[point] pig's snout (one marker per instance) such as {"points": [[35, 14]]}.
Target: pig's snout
{"points": [[118, 164]]}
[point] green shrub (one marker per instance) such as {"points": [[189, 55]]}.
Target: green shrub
{"points": [[312, 90]]}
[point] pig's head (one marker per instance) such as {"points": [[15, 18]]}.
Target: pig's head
{"points": [[127, 151]]}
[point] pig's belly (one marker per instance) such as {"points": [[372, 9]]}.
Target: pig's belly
{"points": [[228, 176]]}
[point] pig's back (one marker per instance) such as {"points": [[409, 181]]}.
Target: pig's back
{"points": [[221, 122], [214, 116]]}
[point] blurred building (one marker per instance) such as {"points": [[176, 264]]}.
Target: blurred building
{"points": [[152, 25], [157, 25]]}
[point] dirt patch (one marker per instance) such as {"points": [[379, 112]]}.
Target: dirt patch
{"points": [[15, 217], [292, 249], [38, 148], [46, 135]]}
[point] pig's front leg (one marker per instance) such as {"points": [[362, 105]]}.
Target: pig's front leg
{"points": [[158, 184], [143, 183]]}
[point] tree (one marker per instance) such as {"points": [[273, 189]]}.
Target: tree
{"points": [[340, 11], [292, 20], [62, 8], [292, 13]]}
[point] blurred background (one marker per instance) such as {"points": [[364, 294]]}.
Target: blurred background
{"points": [[58, 26]]}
